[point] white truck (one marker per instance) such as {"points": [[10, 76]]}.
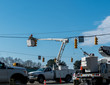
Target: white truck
{"points": [[94, 71], [17, 75], [48, 73]]}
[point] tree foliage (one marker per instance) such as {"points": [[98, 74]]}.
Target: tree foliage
{"points": [[51, 63], [27, 64], [77, 64]]}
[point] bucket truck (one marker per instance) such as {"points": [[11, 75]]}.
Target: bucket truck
{"points": [[48, 73], [94, 71]]}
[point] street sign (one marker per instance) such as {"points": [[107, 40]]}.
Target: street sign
{"points": [[81, 39]]}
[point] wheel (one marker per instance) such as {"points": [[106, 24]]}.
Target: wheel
{"points": [[68, 78], [107, 82], [25, 80], [31, 81], [98, 81], [76, 82], [18, 82], [41, 79], [84, 83], [57, 80], [14, 81]]}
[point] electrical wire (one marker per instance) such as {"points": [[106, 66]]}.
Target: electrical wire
{"points": [[98, 35], [45, 32], [64, 38], [89, 35], [29, 54], [24, 54], [12, 37], [19, 53]]}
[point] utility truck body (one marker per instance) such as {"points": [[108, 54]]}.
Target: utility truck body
{"points": [[47, 73], [94, 71], [57, 72]]}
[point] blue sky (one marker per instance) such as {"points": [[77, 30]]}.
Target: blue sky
{"points": [[25, 17]]}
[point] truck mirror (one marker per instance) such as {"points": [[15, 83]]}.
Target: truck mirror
{"points": [[2, 66]]}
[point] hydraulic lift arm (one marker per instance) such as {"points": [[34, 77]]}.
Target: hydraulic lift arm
{"points": [[64, 42]]}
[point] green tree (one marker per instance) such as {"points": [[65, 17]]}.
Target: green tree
{"points": [[77, 64], [51, 63], [63, 63]]}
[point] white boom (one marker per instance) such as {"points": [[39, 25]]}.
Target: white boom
{"points": [[64, 41]]}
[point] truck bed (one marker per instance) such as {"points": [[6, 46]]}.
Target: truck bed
{"points": [[63, 73]]}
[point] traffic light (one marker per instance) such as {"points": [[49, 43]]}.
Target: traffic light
{"points": [[96, 41], [75, 43], [71, 59], [43, 59], [39, 57], [35, 42], [14, 64], [55, 60]]}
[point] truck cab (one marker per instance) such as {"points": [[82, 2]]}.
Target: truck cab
{"points": [[41, 74], [17, 74], [47, 73]]}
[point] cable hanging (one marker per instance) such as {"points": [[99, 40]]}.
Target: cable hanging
{"points": [[64, 38]]}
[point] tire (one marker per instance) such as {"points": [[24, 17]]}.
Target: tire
{"points": [[98, 81], [31, 81], [68, 78], [15, 81], [76, 82], [41, 79], [84, 83], [18, 80], [25, 80], [57, 80]]}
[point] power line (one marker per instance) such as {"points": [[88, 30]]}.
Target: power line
{"points": [[46, 32], [24, 53], [67, 37], [91, 35], [12, 37], [29, 54], [19, 53], [98, 35]]}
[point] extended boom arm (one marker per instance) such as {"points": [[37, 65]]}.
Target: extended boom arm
{"points": [[64, 42], [30, 42]]}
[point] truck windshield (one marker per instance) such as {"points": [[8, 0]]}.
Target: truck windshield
{"points": [[41, 69]]}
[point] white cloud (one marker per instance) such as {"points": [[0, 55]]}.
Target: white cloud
{"points": [[103, 28]]}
